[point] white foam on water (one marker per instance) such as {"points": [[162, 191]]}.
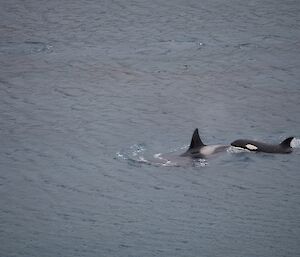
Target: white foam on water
{"points": [[201, 163], [169, 163], [165, 162], [142, 159], [158, 156], [137, 154], [119, 155], [295, 143]]}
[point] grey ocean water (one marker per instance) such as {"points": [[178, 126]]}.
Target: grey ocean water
{"points": [[92, 90]]}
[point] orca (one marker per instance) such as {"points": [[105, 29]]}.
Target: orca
{"points": [[256, 146], [198, 149]]}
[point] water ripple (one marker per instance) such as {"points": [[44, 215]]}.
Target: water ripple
{"points": [[26, 47]]}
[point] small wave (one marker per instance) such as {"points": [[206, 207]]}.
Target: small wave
{"points": [[134, 155], [295, 143], [27, 47], [200, 162], [162, 161], [137, 149], [132, 161]]}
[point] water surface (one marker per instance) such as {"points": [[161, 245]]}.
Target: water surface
{"points": [[89, 87]]}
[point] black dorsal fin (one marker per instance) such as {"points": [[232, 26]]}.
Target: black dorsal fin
{"points": [[287, 142], [196, 141]]}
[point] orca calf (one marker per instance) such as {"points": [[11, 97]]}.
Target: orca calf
{"points": [[199, 150], [256, 146]]}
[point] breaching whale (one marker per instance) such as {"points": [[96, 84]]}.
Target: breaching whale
{"points": [[256, 146], [199, 150]]}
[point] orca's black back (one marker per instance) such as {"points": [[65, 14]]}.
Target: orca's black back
{"points": [[261, 146]]}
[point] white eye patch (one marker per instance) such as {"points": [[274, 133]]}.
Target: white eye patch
{"points": [[251, 147]]}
